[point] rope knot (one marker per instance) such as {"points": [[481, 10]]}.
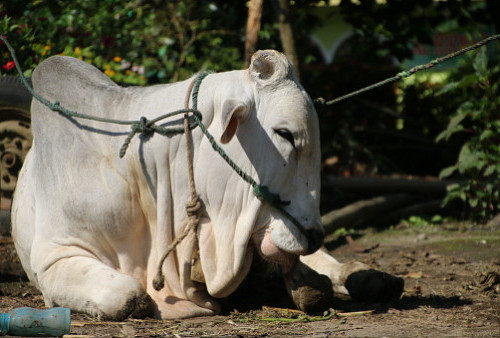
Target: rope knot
{"points": [[143, 126], [264, 194], [193, 207]]}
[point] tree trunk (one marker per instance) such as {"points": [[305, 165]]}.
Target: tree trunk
{"points": [[286, 33], [253, 28]]}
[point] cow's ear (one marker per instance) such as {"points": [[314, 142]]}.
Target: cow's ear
{"points": [[233, 113]]}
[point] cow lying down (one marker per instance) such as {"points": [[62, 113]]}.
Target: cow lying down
{"points": [[90, 228]]}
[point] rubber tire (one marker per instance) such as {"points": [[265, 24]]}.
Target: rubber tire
{"points": [[15, 102], [14, 94]]}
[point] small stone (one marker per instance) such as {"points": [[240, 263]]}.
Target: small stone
{"points": [[421, 237]]}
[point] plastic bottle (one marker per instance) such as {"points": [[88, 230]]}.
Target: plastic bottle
{"points": [[26, 321]]}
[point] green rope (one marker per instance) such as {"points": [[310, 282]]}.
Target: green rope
{"points": [[404, 74], [148, 127]]}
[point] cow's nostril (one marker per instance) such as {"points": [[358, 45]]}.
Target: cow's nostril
{"points": [[314, 239]]}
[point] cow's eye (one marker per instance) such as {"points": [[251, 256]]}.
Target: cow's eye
{"points": [[287, 135]]}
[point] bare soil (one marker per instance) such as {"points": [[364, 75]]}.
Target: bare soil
{"points": [[452, 288]]}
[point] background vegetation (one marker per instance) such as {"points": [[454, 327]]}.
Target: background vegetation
{"points": [[430, 125]]}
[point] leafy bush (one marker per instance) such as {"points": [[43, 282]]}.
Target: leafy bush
{"points": [[478, 117], [133, 41]]}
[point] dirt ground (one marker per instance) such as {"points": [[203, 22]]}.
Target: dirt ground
{"points": [[452, 288]]}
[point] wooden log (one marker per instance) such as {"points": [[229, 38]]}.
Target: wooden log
{"points": [[356, 214], [387, 185], [427, 207]]}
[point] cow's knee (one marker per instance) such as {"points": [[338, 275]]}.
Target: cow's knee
{"points": [[137, 305], [87, 285], [112, 304], [367, 284]]}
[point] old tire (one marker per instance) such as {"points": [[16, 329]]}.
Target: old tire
{"points": [[15, 139]]}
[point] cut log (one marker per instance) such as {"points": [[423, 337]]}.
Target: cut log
{"points": [[428, 208], [356, 214], [387, 185]]}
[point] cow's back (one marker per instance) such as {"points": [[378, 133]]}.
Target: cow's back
{"points": [[73, 184], [74, 85]]}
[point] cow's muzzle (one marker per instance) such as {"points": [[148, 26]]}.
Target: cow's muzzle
{"points": [[296, 241], [314, 239]]}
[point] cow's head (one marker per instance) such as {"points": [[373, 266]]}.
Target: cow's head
{"points": [[269, 127]]}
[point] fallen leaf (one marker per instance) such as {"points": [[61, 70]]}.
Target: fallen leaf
{"points": [[358, 248]]}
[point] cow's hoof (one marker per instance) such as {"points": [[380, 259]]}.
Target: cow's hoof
{"points": [[367, 284], [310, 291]]}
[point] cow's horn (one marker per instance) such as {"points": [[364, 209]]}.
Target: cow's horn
{"points": [[263, 64]]}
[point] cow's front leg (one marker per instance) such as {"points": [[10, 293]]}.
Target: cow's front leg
{"points": [[355, 278], [310, 291], [86, 285]]}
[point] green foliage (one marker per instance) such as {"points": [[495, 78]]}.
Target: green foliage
{"points": [[392, 129], [343, 232], [135, 42], [423, 221], [478, 117], [393, 28]]}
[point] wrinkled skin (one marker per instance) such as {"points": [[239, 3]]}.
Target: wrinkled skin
{"points": [[90, 228]]}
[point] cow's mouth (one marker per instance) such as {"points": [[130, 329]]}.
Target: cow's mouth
{"points": [[271, 252], [280, 244]]}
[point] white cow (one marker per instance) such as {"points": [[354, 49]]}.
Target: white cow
{"points": [[90, 228]]}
